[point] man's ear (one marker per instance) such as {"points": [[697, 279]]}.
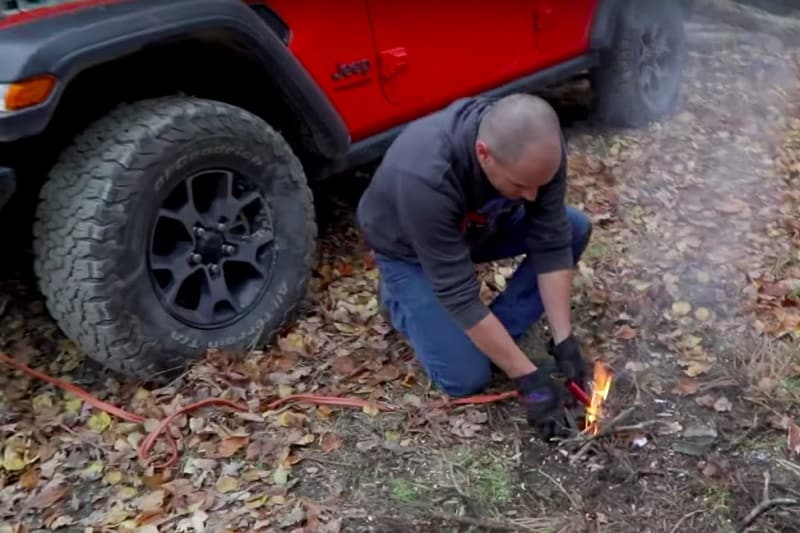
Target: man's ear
{"points": [[482, 150]]}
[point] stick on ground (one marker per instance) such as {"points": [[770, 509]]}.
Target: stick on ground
{"points": [[765, 505]]}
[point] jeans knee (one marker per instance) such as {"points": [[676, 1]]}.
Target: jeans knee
{"points": [[461, 384], [581, 230]]}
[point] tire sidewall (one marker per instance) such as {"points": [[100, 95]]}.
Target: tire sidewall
{"points": [[278, 175], [634, 22]]}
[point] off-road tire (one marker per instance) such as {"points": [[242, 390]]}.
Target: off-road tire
{"points": [[90, 237], [619, 96]]}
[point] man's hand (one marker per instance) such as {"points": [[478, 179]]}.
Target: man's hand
{"points": [[569, 360], [543, 400]]}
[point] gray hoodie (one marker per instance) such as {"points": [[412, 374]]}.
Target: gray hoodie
{"points": [[430, 203]]}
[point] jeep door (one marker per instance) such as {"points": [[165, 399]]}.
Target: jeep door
{"points": [[432, 52]]}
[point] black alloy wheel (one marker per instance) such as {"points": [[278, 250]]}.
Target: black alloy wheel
{"points": [[211, 253]]}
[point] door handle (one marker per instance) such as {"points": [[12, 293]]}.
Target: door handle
{"points": [[392, 61]]}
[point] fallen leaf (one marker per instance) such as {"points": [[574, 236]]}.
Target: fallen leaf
{"points": [[49, 495], [99, 422], [681, 308], [388, 372], [30, 479], [227, 484], [779, 422], [705, 401], [723, 404], [330, 442], [370, 409], [42, 402], [281, 475], [776, 290], [669, 428], [625, 332], [461, 427], [73, 405], [60, 521], [113, 477], [230, 445], [296, 516], [199, 520], [151, 502], [695, 368], [412, 400], [285, 390], [93, 470], [155, 481], [306, 439], [12, 459], [289, 419], [766, 385], [702, 314], [686, 387], [343, 365], [731, 206], [708, 469], [293, 342], [366, 445], [794, 439], [635, 366]]}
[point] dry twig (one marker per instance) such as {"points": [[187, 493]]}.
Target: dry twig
{"points": [[684, 518], [606, 428], [765, 505], [484, 524], [560, 487]]}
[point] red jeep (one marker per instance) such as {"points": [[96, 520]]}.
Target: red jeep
{"points": [[171, 145]]}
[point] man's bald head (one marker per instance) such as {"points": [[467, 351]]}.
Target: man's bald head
{"points": [[516, 121], [519, 145]]}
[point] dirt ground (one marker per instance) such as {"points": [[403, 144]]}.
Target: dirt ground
{"points": [[690, 289]]}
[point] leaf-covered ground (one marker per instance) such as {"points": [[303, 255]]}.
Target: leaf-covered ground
{"points": [[690, 288]]}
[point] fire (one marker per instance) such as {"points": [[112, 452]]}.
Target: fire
{"points": [[601, 385]]}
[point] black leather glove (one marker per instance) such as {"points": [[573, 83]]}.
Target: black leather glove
{"points": [[569, 360], [543, 400]]}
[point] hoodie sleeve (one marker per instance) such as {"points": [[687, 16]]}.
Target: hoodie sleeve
{"points": [[550, 237], [430, 216]]}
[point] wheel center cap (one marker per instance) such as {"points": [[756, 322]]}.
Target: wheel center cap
{"points": [[209, 245]]}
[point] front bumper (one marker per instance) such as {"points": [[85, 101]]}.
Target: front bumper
{"points": [[8, 183]]}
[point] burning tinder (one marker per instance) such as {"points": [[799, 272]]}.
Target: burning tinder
{"points": [[601, 385]]}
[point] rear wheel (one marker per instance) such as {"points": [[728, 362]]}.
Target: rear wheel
{"points": [[640, 75], [170, 227]]}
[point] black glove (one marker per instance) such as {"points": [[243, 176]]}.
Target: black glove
{"points": [[569, 360], [543, 400]]}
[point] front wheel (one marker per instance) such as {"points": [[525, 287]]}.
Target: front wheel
{"points": [[639, 77], [173, 226]]}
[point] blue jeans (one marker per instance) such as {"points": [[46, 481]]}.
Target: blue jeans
{"points": [[446, 353]]}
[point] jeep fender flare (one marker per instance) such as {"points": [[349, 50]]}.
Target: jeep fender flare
{"points": [[66, 45]]}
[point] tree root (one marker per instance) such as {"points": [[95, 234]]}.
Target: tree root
{"points": [[765, 505]]}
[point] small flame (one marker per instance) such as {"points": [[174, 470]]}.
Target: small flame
{"points": [[601, 385]]}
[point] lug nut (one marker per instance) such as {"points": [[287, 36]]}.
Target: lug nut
{"points": [[221, 226], [228, 249], [199, 231], [196, 258], [214, 269]]}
